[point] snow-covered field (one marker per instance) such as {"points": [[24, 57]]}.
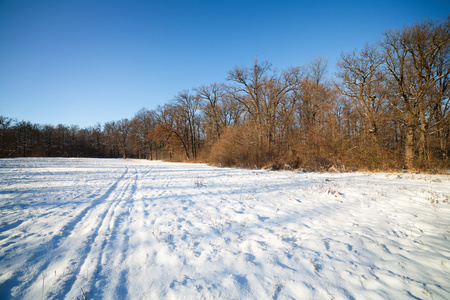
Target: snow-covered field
{"points": [[129, 229]]}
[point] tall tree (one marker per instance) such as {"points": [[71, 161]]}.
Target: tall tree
{"points": [[5, 139], [214, 108], [263, 94], [123, 134], [363, 81], [414, 57], [188, 121], [249, 92], [141, 127]]}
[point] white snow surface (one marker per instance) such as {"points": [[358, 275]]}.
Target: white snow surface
{"points": [[130, 229]]}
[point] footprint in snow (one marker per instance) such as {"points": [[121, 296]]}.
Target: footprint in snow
{"points": [[327, 245]]}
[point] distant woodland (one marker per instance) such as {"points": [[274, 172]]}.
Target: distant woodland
{"points": [[386, 108]]}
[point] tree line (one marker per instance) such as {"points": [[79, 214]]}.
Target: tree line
{"points": [[386, 108]]}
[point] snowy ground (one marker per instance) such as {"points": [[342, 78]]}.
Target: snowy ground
{"points": [[128, 229]]}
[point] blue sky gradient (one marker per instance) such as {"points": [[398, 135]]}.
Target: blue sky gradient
{"points": [[88, 62]]}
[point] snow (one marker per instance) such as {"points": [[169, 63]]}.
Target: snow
{"points": [[130, 229]]}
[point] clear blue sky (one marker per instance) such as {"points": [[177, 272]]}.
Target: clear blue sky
{"points": [[87, 62]]}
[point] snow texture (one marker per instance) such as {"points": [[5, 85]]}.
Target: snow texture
{"points": [[130, 229]]}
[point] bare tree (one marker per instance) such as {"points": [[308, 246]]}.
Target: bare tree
{"points": [[277, 90], [363, 82], [440, 98], [141, 127], [313, 108], [214, 98], [264, 94], [110, 132], [250, 89], [188, 121], [413, 60], [123, 133], [5, 141]]}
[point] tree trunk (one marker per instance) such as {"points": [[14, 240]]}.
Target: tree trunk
{"points": [[409, 145], [443, 143], [423, 132], [151, 151]]}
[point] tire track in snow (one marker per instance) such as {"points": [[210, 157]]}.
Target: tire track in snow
{"points": [[106, 233], [59, 254], [122, 239], [51, 247]]}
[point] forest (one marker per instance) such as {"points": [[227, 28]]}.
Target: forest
{"points": [[386, 108]]}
